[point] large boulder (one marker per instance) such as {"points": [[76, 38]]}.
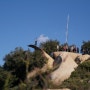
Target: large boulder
{"points": [[67, 65], [83, 58], [65, 69]]}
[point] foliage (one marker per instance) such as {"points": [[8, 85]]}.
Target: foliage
{"points": [[21, 86], [17, 65], [7, 80], [19, 62], [85, 48], [50, 46], [3, 75], [37, 60], [80, 78]]}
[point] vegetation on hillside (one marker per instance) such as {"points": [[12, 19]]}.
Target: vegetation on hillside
{"points": [[80, 78]]}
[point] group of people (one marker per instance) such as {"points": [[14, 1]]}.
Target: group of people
{"points": [[73, 48], [67, 48]]}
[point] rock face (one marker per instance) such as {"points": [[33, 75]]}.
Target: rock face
{"points": [[64, 71], [67, 66]]}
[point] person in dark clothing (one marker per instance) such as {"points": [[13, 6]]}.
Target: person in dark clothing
{"points": [[77, 50]]}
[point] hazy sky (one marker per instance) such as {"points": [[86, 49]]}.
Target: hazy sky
{"points": [[22, 21]]}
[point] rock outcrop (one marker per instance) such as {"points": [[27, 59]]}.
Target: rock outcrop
{"points": [[64, 71], [67, 66]]}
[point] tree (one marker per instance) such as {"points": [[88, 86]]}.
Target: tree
{"points": [[37, 60], [19, 63], [50, 46], [85, 48], [7, 80], [3, 75], [15, 62], [80, 78]]}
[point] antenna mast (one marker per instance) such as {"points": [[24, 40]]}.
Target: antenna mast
{"points": [[67, 29]]}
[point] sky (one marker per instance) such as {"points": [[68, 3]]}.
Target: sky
{"points": [[24, 21]]}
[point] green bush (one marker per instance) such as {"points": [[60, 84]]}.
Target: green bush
{"points": [[80, 78]]}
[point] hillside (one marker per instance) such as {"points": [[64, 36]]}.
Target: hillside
{"points": [[70, 63], [67, 66], [79, 79], [25, 70]]}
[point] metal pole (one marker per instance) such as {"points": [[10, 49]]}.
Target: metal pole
{"points": [[67, 29]]}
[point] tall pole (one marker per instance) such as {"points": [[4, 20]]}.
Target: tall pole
{"points": [[36, 42], [67, 29]]}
